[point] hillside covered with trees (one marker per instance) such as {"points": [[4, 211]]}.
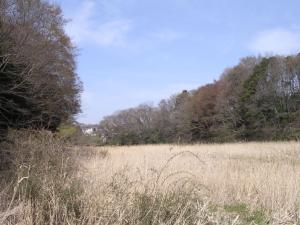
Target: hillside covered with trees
{"points": [[39, 87], [258, 99]]}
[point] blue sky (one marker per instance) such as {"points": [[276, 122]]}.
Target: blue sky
{"points": [[141, 51]]}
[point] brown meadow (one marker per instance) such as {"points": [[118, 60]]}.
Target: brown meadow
{"points": [[242, 183], [264, 176]]}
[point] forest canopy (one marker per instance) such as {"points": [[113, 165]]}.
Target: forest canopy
{"points": [[258, 99], [39, 87]]}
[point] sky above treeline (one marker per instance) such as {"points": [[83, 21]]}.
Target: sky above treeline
{"points": [[141, 51]]}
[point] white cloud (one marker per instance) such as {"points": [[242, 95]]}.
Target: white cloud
{"points": [[111, 33], [85, 28], [276, 41]]}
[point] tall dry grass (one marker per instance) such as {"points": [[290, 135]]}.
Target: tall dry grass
{"points": [[246, 183], [242, 182]]}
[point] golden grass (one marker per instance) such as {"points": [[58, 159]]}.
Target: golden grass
{"points": [[261, 175], [243, 183]]}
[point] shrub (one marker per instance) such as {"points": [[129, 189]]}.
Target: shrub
{"points": [[41, 175]]}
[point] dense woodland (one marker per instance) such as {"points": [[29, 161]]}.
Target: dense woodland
{"points": [[38, 85], [258, 99]]}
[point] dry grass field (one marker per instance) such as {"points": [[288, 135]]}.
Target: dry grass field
{"points": [[243, 183]]}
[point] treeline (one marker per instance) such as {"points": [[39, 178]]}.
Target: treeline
{"points": [[259, 99], [38, 84]]}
